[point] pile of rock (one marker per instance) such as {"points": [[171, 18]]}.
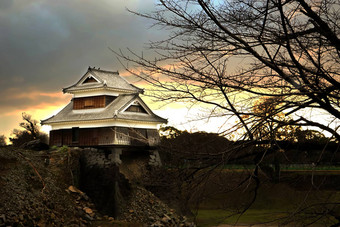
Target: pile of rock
{"points": [[170, 220], [85, 208], [33, 194], [144, 207]]}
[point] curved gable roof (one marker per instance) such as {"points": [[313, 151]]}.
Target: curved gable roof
{"points": [[105, 79], [113, 111]]}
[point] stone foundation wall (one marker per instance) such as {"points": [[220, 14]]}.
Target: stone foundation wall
{"points": [[93, 156], [155, 159]]}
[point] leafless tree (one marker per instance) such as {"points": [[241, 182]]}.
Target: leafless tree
{"points": [[228, 54], [31, 131], [30, 125]]}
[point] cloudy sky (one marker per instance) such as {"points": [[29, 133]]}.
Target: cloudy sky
{"points": [[46, 45]]}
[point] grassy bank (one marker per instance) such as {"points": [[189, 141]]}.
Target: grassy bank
{"points": [[300, 198], [217, 217], [292, 167]]}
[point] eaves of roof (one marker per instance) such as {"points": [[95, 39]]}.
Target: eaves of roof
{"points": [[112, 111]]}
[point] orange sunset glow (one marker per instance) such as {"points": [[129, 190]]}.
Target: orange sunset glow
{"points": [[42, 105]]}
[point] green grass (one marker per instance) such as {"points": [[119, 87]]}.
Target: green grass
{"points": [[207, 218], [274, 200], [303, 167]]}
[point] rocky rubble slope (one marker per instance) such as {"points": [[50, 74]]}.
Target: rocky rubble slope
{"points": [[35, 190], [145, 207]]}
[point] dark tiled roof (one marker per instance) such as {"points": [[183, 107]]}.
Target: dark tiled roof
{"points": [[113, 110], [107, 79]]}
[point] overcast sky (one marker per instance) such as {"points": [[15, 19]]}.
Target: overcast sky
{"points": [[46, 45]]}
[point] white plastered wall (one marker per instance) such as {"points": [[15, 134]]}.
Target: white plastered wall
{"points": [[108, 123], [95, 92]]}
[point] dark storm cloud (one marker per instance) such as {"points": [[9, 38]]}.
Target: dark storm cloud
{"points": [[49, 44], [5, 4], [26, 98]]}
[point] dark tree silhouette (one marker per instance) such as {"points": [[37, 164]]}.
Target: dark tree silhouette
{"points": [[31, 131], [228, 55]]}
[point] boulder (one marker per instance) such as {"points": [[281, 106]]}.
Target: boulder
{"points": [[2, 220]]}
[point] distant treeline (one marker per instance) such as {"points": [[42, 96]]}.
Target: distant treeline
{"points": [[206, 149]]}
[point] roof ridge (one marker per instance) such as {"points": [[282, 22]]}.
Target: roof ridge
{"points": [[117, 73], [101, 70], [105, 78]]}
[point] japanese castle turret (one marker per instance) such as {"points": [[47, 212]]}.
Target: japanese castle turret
{"points": [[105, 110]]}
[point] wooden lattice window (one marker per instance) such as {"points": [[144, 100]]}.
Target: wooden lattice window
{"points": [[88, 103]]}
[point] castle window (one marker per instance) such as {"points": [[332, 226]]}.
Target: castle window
{"points": [[89, 103], [89, 80], [136, 108], [75, 135]]}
